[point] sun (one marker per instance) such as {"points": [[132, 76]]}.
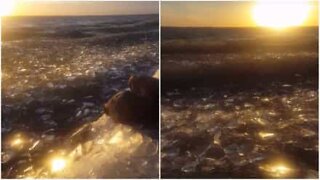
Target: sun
{"points": [[280, 14], [6, 7]]}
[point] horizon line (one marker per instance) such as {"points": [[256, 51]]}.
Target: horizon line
{"points": [[78, 15], [235, 26]]}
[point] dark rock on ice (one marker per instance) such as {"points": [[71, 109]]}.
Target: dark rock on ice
{"points": [[139, 106], [144, 86], [128, 108]]}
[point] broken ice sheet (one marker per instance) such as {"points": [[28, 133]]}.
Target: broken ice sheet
{"points": [[248, 134], [106, 149], [58, 83]]}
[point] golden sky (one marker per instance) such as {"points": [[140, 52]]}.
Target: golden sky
{"points": [[68, 8], [219, 14]]}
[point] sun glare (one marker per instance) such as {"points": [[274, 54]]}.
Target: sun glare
{"points": [[6, 7], [277, 170], [57, 164], [280, 15]]}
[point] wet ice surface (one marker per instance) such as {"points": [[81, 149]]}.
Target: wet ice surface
{"points": [[267, 131], [100, 149], [56, 80], [239, 103], [205, 59]]}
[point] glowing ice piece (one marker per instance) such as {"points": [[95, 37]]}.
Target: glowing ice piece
{"points": [[58, 164]]}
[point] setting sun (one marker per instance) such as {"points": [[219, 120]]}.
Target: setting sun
{"points": [[7, 7], [280, 14]]}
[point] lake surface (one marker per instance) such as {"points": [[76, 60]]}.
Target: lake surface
{"points": [[239, 103], [57, 72]]}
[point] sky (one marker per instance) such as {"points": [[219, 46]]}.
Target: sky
{"points": [[68, 8], [217, 14]]}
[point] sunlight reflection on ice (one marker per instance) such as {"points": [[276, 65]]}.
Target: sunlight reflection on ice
{"points": [[113, 150]]}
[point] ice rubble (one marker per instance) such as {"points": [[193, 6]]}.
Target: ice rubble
{"points": [[218, 134]]}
